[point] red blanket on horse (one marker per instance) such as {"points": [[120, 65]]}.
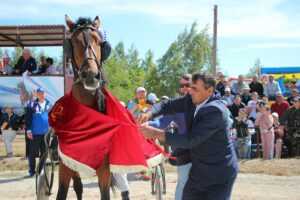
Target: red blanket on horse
{"points": [[85, 136]]}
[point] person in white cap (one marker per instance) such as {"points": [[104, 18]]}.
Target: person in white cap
{"points": [[228, 97], [165, 98], [137, 106], [279, 132], [139, 103], [246, 97]]}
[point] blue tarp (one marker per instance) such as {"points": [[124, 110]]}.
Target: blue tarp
{"points": [[280, 70]]}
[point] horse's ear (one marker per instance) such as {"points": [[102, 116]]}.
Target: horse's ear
{"points": [[97, 22], [69, 22]]}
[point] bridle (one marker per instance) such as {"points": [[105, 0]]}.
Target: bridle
{"points": [[79, 73]]}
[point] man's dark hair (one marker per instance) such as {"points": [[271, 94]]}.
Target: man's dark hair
{"points": [[187, 77], [49, 60], [208, 80], [43, 58], [237, 96]]}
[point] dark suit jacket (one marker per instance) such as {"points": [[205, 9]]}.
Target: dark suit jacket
{"points": [[213, 157]]}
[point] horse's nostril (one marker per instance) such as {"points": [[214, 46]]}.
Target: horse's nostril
{"points": [[84, 74], [97, 75]]}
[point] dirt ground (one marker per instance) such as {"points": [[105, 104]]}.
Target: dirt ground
{"points": [[257, 180], [247, 187]]}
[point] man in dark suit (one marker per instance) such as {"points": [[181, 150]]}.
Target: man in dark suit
{"points": [[214, 163]]}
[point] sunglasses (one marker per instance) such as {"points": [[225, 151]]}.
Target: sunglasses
{"points": [[185, 85]]}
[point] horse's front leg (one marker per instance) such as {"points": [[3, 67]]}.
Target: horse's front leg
{"points": [[104, 179], [65, 175]]}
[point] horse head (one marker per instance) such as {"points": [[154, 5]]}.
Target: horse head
{"points": [[83, 46]]}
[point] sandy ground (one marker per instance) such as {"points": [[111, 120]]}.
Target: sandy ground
{"points": [[247, 187], [258, 180]]}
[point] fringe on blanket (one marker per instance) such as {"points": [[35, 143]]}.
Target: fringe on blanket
{"points": [[82, 169], [86, 171]]}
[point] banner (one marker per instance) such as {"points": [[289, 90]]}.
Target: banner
{"points": [[16, 91], [282, 72]]}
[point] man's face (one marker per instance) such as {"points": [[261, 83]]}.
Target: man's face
{"points": [[294, 93], [199, 93], [279, 99], [237, 101], [40, 95], [8, 110], [43, 61], [222, 78], [254, 79], [5, 61], [141, 95], [184, 86], [271, 78], [246, 91], [254, 96], [240, 79], [26, 54]]}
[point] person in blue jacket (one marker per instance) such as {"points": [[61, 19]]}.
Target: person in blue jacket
{"points": [[214, 162], [182, 159], [36, 117]]}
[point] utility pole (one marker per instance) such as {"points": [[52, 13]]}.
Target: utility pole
{"points": [[214, 46]]}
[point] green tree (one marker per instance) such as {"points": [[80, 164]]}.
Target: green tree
{"points": [[16, 55], [191, 52], [136, 71], [124, 72], [151, 72]]}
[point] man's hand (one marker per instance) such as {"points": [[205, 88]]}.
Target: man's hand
{"points": [[144, 117], [29, 135], [152, 133]]}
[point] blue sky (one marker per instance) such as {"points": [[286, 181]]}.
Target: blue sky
{"points": [[265, 29]]}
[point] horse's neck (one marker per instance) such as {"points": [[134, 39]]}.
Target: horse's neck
{"points": [[83, 96]]}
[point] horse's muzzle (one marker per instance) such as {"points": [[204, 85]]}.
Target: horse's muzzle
{"points": [[90, 80]]}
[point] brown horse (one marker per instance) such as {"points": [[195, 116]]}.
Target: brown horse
{"points": [[84, 48]]}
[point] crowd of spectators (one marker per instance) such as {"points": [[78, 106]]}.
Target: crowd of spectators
{"points": [[262, 116], [27, 63], [264, 120]]}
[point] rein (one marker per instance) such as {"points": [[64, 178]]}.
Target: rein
{"points": [[77, 69], [78, 73]]}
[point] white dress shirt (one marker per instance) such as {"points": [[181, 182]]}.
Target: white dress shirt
{"points": [[200, 106]]}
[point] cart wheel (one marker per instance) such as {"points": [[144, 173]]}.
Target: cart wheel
{"points": [[42, 190], [163, 174], [152, 182], [158, 183]]}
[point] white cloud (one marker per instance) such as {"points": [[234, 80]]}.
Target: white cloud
{"points": [[256, 18], [272, 45]]}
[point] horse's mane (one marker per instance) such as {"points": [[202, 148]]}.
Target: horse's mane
{"points": [[82, 21]]}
